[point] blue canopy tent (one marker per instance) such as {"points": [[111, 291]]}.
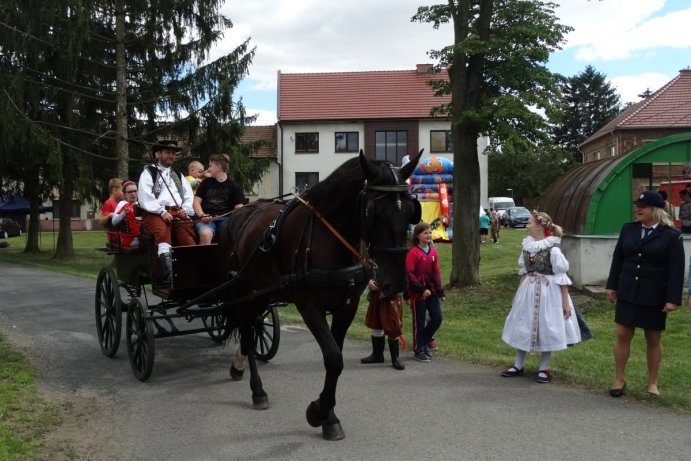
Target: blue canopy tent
{"points": [[17, 205]]}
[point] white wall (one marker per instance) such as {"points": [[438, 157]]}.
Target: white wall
{"points": [[590, 257], [325, 161]]}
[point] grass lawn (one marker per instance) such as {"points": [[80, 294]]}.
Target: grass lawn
{"points": [[474, 318]]}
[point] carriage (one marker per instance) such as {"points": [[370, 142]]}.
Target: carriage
{"points": [[191, 304], [303, 251]]}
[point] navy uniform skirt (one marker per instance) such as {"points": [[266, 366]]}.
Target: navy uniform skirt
{"points": [[635, 315]]}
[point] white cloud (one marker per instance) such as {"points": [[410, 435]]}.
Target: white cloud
{"points": [[621, 29], [324, 36], [630, 86], [264, 117]]}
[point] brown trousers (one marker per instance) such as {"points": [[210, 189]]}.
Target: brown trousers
{"points": [[178, 231], [385, 314]]}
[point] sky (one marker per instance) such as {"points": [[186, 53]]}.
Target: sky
{"points": [[637, 44]]}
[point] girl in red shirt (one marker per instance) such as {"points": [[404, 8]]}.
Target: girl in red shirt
{"points": [[424, 289]]}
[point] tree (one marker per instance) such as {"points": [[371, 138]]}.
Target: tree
{"points": [[588, 103], [497, 78], [526, 168], [96, 80]]}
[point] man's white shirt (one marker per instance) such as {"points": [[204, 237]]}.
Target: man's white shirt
{"points": [[168, 197]]}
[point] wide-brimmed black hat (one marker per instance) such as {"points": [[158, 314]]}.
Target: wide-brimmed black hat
{"points": [[650, 198], [165, 144]]}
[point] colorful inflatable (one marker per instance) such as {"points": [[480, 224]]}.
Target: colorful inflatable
{"points": [[431, 181]]}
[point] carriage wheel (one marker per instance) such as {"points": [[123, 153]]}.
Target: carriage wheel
{"points": [[218, 327], [267, 334], [140, 340], [108, 310]]}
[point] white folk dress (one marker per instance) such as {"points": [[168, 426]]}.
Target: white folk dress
{"points": [[536, 321]]}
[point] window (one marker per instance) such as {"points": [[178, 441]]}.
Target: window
{"points": [[347, 141], [306, 142], [440, 141], [74, 209], [391, 146], [304, 181], [611, 151]]}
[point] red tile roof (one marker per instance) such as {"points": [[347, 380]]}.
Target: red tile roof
{"points": [[398, 94], [668, 107], [261, 133]]}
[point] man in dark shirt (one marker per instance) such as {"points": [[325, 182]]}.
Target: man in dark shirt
{"points": [[216, 197]]}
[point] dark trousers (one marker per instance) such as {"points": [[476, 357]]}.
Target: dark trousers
{"points": [[424, 333]]}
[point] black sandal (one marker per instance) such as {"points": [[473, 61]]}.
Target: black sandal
{"points": [[511, 372]]}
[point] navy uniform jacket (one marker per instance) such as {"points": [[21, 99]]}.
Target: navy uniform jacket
{"points": [[649, 271]]}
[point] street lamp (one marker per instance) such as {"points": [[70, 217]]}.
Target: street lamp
{"points": [[511, 191]]}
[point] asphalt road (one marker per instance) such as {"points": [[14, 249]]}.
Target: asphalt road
{"points": [[190, 409]]}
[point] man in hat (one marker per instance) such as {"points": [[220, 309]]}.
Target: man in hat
{"points": [[166, 197]]}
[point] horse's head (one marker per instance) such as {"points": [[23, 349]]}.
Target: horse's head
{"points": [[386, 209]]}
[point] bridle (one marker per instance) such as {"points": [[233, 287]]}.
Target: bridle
{"points": [[367, 211]]}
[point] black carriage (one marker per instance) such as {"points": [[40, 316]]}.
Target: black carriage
{"points": [[190, 305]]}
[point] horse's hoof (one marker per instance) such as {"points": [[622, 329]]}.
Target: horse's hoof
{"points": [[333, 432], [235, 374], [260, 403], [313, 418]]}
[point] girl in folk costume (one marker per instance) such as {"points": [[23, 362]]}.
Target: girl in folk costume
{"points": [[424, 290], [542, 317], [124, 217]]}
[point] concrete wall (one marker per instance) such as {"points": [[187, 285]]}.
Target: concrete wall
{"points": [[590, 257]]}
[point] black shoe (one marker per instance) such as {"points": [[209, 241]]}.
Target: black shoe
{"points": [[512, 371], [166, 260], [394, 350], [543, 376], [616, 393]]}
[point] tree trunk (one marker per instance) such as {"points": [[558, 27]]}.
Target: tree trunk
{"points": [[65, 245], [31, 191], [465, 252], [121, 146]]}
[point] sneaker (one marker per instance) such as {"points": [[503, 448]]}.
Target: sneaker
{"points": [[543, 376], [422, 357], [432, 345], [428, 352], [511, 372]]}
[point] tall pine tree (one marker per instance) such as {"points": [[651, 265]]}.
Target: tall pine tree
{"points": [[588, 103]]}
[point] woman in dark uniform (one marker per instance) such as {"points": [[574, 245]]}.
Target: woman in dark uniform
{"points": [[646, 281]]}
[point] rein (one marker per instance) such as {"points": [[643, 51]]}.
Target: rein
{"points": [[367, 262]]}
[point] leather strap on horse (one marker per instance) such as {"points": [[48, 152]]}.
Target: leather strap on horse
{"points": [[368, 263]]}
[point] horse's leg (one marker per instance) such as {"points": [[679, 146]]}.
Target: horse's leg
{"points": [[260, 401], [321, 411]]}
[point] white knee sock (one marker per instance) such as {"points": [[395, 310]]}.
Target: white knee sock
{"points": [[520, 358], [163, 248], [544, 360]]}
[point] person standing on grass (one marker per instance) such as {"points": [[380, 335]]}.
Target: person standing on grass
{"points": [[542, 317], [645, 281], [424, 290]]}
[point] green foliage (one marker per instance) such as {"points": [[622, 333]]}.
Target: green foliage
{"points": [[587, 104], [527, 169], [497, 79]]}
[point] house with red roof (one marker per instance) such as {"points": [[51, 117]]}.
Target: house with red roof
{"points": [[326, 118], [665, 112]]}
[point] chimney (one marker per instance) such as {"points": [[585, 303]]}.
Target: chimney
{"points": [[424, 68]]}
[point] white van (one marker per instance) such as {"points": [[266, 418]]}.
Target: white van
{"points": [[500, 204]]}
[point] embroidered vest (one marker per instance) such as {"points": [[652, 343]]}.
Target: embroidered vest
{"points": [[175, 175], [539, 263]]}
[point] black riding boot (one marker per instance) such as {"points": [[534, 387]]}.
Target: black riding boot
{"points": [[377, 355], [166, 268], [393, 348]]}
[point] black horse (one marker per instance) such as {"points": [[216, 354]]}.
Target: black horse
{"points": [[280, 252]]}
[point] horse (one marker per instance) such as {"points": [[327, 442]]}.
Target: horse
{"points": [[305, 252]]}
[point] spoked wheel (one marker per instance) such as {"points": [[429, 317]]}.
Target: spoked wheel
{"points": [[140, 340], [218, 326], [267, 334], [108, 309]]}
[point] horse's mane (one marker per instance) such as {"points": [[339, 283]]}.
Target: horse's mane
{"points": [[344, 183]]}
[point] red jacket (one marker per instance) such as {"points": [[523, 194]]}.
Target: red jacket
{"points": [[423, 273]]}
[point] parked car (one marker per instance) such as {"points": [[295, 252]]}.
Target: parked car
{"points": [[9, 228], [516, 216]]}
